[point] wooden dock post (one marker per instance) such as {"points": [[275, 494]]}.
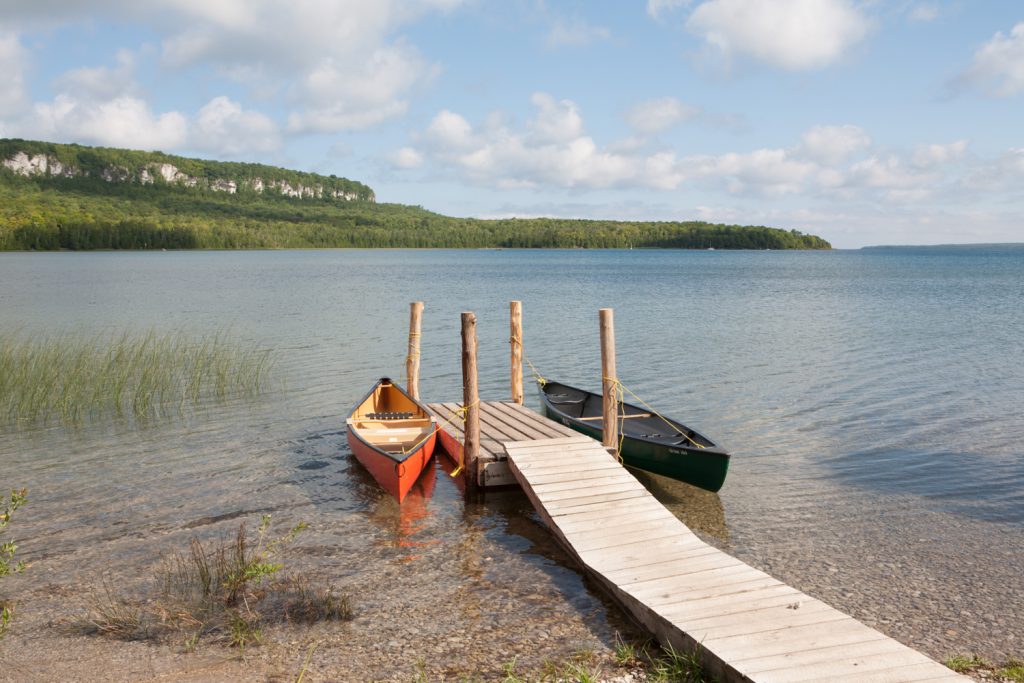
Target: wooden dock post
{"points": [[412, 360], [470, 402], [516, 341], [609, 379]]}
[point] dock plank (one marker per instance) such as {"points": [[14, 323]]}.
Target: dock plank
{"points": [[746, 624]]}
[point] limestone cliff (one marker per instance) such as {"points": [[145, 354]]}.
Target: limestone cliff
{"points": [[51, 160]]}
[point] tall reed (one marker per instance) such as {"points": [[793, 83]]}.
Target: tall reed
{"points": [[72, 378]]}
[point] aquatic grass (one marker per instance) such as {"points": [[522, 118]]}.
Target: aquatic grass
{"points": [[73, 378], [307, 603]]}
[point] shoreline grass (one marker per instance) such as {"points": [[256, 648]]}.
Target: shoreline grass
{"points": [[223, 592], [1010, 671], [74, 378]]}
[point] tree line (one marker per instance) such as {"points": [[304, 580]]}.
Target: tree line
{"points": [[49, 213]]}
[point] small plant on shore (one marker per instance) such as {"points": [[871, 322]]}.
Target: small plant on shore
{"points": [[225, 591], [116, 617], [1014, 671], [309, 604], [243, 628], [677, 667], [963, 664], [7, 549], [626, 653]]}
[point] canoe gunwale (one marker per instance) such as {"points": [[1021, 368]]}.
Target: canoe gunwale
{"points": [[704, 467], [713, 449], [397, 458]]}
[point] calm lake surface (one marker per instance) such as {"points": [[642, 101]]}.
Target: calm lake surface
{"points": [[873, 402]]}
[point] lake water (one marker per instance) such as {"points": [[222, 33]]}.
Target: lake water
{"points": [[873, 402]]}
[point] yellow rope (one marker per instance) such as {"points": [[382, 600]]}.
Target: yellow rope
{"points": [[656, 413], [461, 414], [537, 377]]}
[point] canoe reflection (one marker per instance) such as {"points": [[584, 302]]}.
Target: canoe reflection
{"points": [[406, 520]]}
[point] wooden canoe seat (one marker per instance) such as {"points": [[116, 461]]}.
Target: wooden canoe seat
{"points": [[389, 416]]}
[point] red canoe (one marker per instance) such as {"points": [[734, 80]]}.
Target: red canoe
{"points": [[393, 436]]}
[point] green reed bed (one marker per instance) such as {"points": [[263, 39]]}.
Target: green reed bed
{"points": [[73, 378]]}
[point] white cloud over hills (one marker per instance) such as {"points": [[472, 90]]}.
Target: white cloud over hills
{"points": [[791, 34], [838, 162], [998, 65]]}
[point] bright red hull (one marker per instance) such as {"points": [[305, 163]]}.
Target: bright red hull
{"points": [[397, 478]]}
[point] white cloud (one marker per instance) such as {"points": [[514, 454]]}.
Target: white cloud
{"points": [[557, 121], [834, 163], [13, 63], [833, 144], [923, 12], [343, 96], [406, 158], [124, 121], [656, 7], [101, 82], [553, 149], [450, 130], [1004, 174], [576, 33], [351, 70], [656, 116], [792, 34], [927, 156], [998, 65], [769, 171], [222, 126], [890, 173]]}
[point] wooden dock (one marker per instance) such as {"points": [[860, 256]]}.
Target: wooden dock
{"points": [[500, 422], [747, 625]]}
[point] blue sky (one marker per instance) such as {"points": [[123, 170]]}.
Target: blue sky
{"points": [[871, 122]]}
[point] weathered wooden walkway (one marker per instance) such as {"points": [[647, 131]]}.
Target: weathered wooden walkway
{"points": [[749, 626]]}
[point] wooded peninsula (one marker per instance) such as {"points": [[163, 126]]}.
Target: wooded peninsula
{"points": [[72, 197]]}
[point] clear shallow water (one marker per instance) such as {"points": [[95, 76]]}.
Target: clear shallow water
{"points": [[873, 401]]}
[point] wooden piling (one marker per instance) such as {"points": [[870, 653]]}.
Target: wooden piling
{"points": [[470, 402], [412, 360], [516, 341], [609, 379]]}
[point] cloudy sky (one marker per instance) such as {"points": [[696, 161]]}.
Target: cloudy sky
{"points": [[866, 122]]}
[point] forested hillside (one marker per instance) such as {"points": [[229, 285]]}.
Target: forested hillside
{"points": [[91, 209]]}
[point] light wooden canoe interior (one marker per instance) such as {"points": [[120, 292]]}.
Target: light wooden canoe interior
{"points": [[390, 420]]}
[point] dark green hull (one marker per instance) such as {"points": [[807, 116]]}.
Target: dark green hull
{"points": [[659, 450]]}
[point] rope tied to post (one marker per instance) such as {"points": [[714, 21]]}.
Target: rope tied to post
{"points": [[461, 414], [622, 387]]}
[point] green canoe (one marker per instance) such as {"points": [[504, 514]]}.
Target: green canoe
{"points": [[649, 442]]}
